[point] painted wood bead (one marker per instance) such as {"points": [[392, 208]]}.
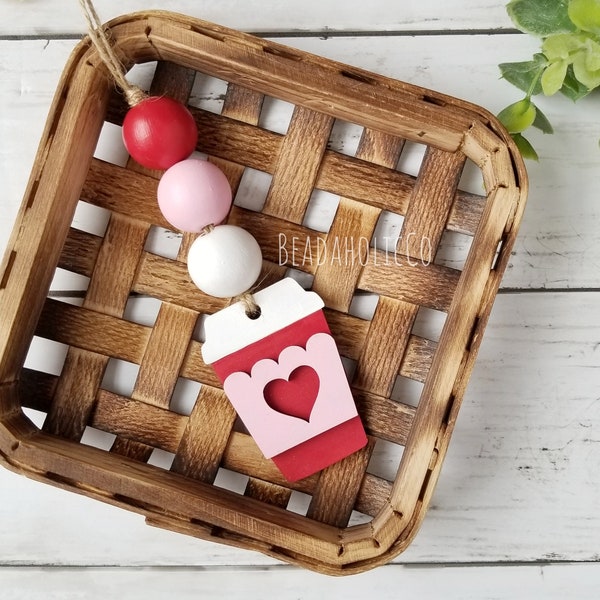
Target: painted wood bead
{"points": [[225, 262], [159, 131], [193, 194]]}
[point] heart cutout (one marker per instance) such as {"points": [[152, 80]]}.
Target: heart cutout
{"points": [[296, 395]]}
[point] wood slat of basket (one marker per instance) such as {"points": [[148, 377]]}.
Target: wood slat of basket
{"points": [[244, 106], [121, 232], [93, 331], [159, 368], [205, 440], [74, 395], [83, 370], [109, 186], [80, 252], [430, 204], [298, 163], [339, 261], [327, 505], [348, 331], [417, 358], [403, 278], [302, 81], [264, 491], [381, 356], [47, 211], [146, 424], [384, 418], [368, 182], [169, 281]]}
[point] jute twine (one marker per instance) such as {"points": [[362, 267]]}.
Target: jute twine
{"points": [[101, 39]]}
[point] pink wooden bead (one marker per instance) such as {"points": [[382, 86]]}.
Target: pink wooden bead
{"points": [[193, 194], [159, 131]]}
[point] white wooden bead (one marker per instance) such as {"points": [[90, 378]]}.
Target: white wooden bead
{"points": [[225, 262]]}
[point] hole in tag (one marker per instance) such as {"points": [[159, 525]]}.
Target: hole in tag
{"points": [[253, 313]]}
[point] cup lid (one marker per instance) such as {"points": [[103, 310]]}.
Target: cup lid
{"points": [[281, 304]]}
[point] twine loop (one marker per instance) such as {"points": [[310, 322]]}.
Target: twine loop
{"points": [[101, 40], [251, 308]]}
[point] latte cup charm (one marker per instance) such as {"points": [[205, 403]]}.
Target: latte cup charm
{"points": [[284, 376]]}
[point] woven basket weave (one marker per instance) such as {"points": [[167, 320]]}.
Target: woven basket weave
{"points": [[184, 498]]}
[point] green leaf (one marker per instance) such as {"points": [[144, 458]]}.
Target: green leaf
{"points": [[524, 74], [592, 55], [561, 45], [554, 76], [572, 88], [541, 122], [541, 17], [585, 14], [525, 147], [589, 78], [518, 116]]}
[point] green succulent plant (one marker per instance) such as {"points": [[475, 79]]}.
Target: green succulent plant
{"points": [[569, 61]]}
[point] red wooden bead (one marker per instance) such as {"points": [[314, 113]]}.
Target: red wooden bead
{"points": [[159, 132]]}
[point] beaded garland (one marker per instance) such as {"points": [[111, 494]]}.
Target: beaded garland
{"points": [[194, 196]]}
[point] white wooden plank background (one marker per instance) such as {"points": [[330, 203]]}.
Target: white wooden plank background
{"points": [[519, 486], [60, 17]]}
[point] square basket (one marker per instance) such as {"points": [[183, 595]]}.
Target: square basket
{"points": [[356, 519]]}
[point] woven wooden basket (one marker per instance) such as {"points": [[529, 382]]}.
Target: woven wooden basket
{"points": [[385, 514]]}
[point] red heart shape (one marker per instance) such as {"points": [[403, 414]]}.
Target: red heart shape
{"points": [[296, 395]]}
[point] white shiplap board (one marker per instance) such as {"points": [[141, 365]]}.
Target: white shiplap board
{"points": [[513, 582], [519, 482], [39, 17]]}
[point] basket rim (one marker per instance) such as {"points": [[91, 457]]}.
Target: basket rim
{"points": [[152, 35]]}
